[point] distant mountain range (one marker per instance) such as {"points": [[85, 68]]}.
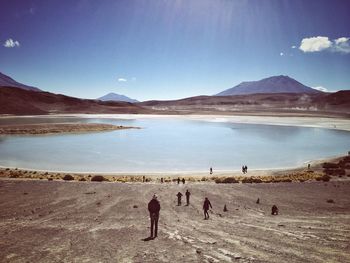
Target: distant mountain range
{"points": [[19, 99], [6, 81], [275, 84], [116, 97], [281, 96]]}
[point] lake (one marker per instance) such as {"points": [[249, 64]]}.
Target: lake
{"points": [[169, 145]]}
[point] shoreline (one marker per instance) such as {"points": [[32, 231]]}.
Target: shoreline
{"points": [[317, 171], [335, 123], [58, 128], [185, 173]]}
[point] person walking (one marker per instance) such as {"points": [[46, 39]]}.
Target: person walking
{"points": [[154, 208], [179, 195], [206, 206], [187, 197]]}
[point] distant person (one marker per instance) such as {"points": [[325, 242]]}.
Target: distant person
{"points": [[274, 210], [183, 180], [243, 169], [211, 170], [258, 201], [308, 166], [206, 207], [143, 179], [179, 195], [162, 180], [188, 194], [225, 208], [154, 208], [246, 169], [178, 180]]}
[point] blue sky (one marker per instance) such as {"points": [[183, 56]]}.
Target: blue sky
{"points": [[169, 49]]}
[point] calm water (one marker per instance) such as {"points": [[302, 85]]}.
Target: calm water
{"points": [[170, 145]]}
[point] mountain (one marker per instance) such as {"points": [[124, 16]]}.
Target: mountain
{"points": [[19, 101], [286, 104], [6, 81], [116, 97], [275, 84]]}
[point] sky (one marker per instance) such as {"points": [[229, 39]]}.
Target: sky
{"points": [[171, 49]]}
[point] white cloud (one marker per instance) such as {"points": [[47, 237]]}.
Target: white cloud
{"points": [[281, 54], [315, 44], [321, 88], [10, 43], [294, 47], [122, 80], [341, 45]]}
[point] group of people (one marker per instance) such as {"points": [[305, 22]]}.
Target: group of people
{"points": [[179, 195], [179, 180], [154, 208], [244, 169]]}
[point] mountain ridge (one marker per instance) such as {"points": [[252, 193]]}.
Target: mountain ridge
{"points": [[274, 84], [116, 97], [6, 81]]}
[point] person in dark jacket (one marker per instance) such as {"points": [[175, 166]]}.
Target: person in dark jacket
{"points": [[179, 198], [187, 197], [274, 210], [206, 206], [154, 208]]}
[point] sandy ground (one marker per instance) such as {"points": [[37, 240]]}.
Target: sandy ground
{"points": [[56, 221]]}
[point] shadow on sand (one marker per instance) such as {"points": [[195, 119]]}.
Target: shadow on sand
{"points": [[147, 239]]}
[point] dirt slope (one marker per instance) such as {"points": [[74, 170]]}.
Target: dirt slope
{"points": [[42, 221]]}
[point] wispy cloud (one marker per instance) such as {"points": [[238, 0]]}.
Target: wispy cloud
{"points": [[281, 54], [320, 88], [122, 80], [342, 45], [320, 43], [10, 43]]}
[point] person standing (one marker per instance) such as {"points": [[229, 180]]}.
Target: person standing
{"points": [[211, 170], [154, 208], [187, 197], [206, 207], [179, 195]]}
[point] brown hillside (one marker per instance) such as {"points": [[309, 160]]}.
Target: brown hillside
{"points": [[21, 102]]}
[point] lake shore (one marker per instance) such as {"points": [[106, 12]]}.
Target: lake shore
{"points": [[57, 128], [316, 171], [330, 122]]}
